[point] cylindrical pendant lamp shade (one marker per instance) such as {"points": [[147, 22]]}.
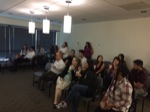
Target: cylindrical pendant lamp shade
{"points": [[46, 26], [67, 23], [31, 27]]}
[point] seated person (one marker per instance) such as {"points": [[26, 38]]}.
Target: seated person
{"points": [[140, 78], [111, 72], [39, 58], [23, 52], [30, 55], [86, 86], [82, 58], [69, 59], [56, 68], [64, 80], [118, 97], [27, 58], [99, 66], [122, 60]]}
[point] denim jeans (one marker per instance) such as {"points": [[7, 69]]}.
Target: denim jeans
{"points": [[74, 95]]}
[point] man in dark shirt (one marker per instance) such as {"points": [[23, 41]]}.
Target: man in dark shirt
{"points": [[140, 78]]}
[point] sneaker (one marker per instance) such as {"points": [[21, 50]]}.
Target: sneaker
{"points": [[62, 104]]}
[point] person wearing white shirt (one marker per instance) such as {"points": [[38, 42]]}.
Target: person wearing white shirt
{"points": [[56, 68], [64, 49], [30, 54], [27, 58], [82, 57]]}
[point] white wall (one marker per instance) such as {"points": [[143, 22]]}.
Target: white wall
{"points": [[18, 22], [131, 37]]}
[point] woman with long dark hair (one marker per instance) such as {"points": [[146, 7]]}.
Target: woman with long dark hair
{"points": [[99, 66], [64, 80], [118, 97], [88, 50], [111, 72], [86, 86]]}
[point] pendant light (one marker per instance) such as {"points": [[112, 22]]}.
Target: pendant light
{"points": [[67, 20], [46, 22], [31, 25]]}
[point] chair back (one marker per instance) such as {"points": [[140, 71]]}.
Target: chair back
{"points": [[47, 66], [149, 84]]}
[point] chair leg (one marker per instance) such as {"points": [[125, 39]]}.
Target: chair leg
{"points": [[135, 105], [50, 86], [88, 106], [143, 104], [33, 80]]}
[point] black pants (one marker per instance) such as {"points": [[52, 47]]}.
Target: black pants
{"points": [[18, 61], [98, 109]]}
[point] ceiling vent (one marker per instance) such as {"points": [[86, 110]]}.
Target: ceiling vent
{"points": [[135, 6]]}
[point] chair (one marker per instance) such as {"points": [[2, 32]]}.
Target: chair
{"points": [[96, 95], [144, 96], [39, 74]]}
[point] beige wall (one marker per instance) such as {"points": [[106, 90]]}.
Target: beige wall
{"points": [[11, 21], [131, 37]]}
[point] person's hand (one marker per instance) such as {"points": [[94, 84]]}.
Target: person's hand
{"points": [[109, 106], [79, 68], [110, 66], [135, 85], [61, 79], [102, 105], [78, 74]]}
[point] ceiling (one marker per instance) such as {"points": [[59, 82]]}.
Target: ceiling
{"points": [[82, 11]]}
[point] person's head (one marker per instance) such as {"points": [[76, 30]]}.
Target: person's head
{"points": [[137, 64], [32, 48], [116, 61], [88, 65], [99, 58], [121, 57], [88, 45], [55, 48], [58, 56], [81, 53], [24, 47], [72, 53], [76, 61], [122, 71], [65, 44]]}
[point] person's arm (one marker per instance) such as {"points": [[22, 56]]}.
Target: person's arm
{"points": [[64, 50], [59, 66], [101, 69], [138, 85]]}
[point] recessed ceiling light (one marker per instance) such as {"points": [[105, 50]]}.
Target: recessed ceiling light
{"points": [[27, 11], [74, 2], [144, 11], [10, 13], [52, 7], [83, 19]]}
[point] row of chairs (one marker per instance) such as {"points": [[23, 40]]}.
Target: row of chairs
{"points": [[97, 95]]}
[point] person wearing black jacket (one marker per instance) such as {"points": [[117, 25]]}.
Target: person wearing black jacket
{"points": [[65, 79], [86, 86]]}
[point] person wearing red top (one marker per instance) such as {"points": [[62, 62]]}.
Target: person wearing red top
{"points": [[88, 50]]}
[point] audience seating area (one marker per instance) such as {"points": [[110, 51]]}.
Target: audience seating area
{"points": [[8, 63]]}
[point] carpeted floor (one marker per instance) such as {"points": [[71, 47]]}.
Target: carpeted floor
{"points": [[18, 95]]}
